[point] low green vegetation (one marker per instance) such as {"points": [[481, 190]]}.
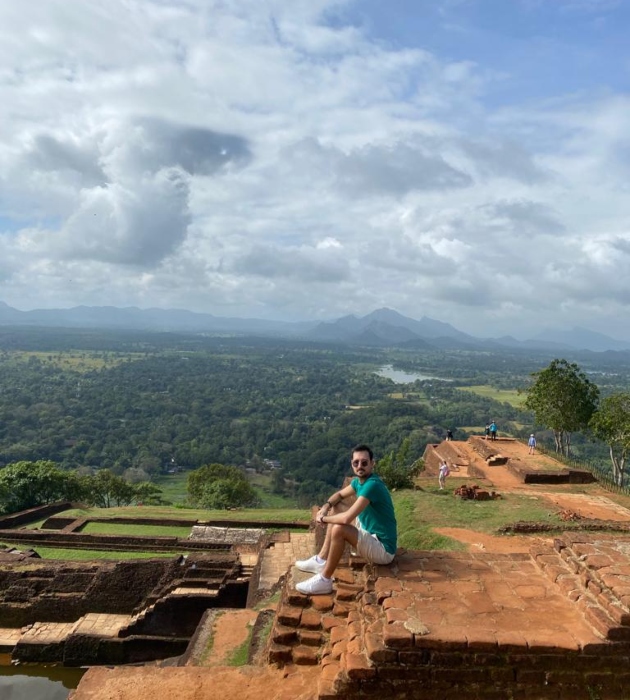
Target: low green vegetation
{"points": [[418, 512], [100, 528], [193, 514], [240, 655], [91, 554], [511, 396], [220, 486]]}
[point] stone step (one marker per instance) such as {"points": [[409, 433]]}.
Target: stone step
{"points": [[568, 568]]}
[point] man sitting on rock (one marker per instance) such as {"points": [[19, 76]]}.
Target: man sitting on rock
{"points": [[374, 532]]}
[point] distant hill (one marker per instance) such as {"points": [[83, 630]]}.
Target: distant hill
{"points": [[381, 328], [581, 339], [388, 327]]}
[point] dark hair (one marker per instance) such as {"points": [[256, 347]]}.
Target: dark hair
{"points": [[363, 448]]}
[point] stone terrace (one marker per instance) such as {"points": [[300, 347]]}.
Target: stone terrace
{"points": [[475, 625]]}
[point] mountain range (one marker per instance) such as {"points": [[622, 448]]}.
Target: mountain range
{"points": [[380, 328]]}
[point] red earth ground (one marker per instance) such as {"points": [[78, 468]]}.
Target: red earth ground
{"points": [[215, 681]]}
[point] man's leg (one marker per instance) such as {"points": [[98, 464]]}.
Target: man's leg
{"points": [[337, 536]]}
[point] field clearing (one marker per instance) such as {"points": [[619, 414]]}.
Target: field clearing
{"points": [[89, 554], [175, 490], [418, 512], [174, 487], [139, 530], [76, 360], [193, 514], [510, 396]]}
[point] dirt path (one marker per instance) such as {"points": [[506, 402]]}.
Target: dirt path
{"points": [[193, 683], [480, 541], [589, 500], [230, 630]]}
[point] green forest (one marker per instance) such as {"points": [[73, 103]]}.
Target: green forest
{"points": [[143, 405]]}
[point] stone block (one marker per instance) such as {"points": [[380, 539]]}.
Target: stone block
{"points": [[396, 636], [289, 616], [338, 650], [347, 592], [359, 668], [403, 602], [460, 676], [341, 609], [310, 638], [329, 622], [385, 583], [344, 575], [416, 657], [377, 651], [322, 603], [285, 635], [296, 599], [279, 654], [396, 615], [311, 620], [305, 655], [337, 634]]}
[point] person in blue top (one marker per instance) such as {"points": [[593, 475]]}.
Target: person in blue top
{"points": [[368, 524], [531, 443], [493, 431]]}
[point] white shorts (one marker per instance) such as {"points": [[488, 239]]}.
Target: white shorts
{"points": [[371, 548]]}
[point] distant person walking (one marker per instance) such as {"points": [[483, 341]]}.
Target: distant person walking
{"points": [[487, 430], [493, 431], [449, 434], [531, 443], [442, 474]]}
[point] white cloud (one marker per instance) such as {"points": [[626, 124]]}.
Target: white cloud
{"points": [[272, 159]]}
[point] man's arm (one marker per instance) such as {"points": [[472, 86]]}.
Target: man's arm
{"points": [[348, 516], [337, 498]]}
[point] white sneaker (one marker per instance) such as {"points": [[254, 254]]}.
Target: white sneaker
{"points": [[316, 585], [311, 565]]}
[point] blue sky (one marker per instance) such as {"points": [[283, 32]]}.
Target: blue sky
{"points": [[466, 160]]}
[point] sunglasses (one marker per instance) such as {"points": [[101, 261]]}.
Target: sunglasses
{"points": [[360, 462]]}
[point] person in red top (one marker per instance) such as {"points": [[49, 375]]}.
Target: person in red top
{"points": [[368, 524]]}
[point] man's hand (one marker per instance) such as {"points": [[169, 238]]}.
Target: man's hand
{"points": [[321, 513]]}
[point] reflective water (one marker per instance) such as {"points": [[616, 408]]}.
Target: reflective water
{"points": [[400, 377], [36, 682]]}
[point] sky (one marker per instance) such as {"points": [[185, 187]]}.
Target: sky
{"points": [[465, 160]]}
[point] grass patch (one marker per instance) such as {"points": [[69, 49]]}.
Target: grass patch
{"points": [[36, 525], [510, 396], [268, 602], [240, 655], [175, 490], [418, 512], [174, 487], [242, 515], [268, 499], [88, 554], [76, 360], [140, 530]]}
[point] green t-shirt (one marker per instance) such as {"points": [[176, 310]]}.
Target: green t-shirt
{"points": [[378, 518]]}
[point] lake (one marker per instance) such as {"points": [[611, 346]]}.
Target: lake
{"points": [[400, 377], [35, 682]]}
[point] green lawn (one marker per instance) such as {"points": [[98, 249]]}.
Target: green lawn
{"points": [[88, 554], [510, 396], [167, 512], [174, 486], [174, 489], [418, 512], [139, 530]]}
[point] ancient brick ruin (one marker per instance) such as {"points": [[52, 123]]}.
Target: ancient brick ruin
{"points": [[128, 611], [550, 624]]}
